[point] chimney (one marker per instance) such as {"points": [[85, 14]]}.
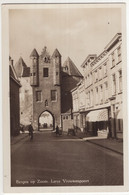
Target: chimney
{"points": [[10, 61]]}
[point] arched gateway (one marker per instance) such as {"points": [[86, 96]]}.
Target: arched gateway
{"points": [[45, 74], [46, 121]]}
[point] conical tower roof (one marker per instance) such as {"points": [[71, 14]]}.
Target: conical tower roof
{"points": [[34, 53], [56, 53], [71, 68]]}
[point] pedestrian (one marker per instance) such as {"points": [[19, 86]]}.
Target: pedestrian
{"points": [[57, 130], [30, 132]]}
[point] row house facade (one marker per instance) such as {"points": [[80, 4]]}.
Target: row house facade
{"points": [[97, 99]]}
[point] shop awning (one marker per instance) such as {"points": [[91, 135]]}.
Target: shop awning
{"points": [[97, 115]]}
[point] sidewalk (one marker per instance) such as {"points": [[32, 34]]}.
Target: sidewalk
{"points": [[16, 139], [110, 144]]}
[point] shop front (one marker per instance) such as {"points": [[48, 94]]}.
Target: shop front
{"points": [[97, 123]]}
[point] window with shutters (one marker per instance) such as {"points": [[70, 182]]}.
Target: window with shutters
{"points": [[96, 96], [100, 73], [120, 80], [101, 94], [96, 76], [106, 91], [113, 84]]}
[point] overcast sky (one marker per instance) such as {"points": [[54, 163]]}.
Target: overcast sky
{"points": [[74, 32]]}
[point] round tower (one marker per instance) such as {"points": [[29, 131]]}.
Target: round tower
{"points": [[34, 68]]}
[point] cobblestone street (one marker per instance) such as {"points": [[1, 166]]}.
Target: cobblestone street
{"points": [[63, 161]]}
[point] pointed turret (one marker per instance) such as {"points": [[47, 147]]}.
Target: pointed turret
{"points": [[34, 53], [56, 58], [56, 54], [34, 56]]}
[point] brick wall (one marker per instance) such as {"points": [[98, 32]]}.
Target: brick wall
{"points": [[68, 83], [14, 108]]}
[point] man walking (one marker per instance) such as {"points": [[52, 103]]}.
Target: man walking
{"points": [[57, 130], [30, 132]]}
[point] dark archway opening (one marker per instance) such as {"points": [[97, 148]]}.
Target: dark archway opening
{"points": [[46, 121]]}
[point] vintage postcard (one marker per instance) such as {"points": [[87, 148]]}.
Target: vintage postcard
{"points": [[65, 105]]}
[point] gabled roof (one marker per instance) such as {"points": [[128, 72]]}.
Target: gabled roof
{"points": [[34, 53], [21, 68], [71, 69], [26, 72], [56, 53], [13, 74]]}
